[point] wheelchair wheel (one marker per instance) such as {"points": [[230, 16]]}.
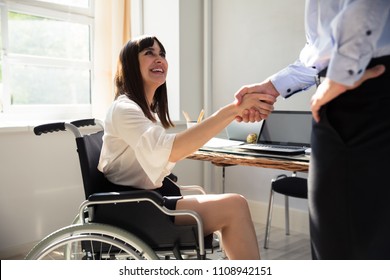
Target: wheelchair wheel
{"points": [[91, 242]]}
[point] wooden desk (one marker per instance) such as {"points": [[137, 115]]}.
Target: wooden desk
{"points": [[226, 159]]}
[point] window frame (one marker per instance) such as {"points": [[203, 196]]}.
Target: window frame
{"points": [[57, 12]]}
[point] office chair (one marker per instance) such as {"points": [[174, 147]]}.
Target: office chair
{"points": [[288, 186], [118, 222]]}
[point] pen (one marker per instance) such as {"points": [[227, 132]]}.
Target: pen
{"points": [[200, 116], [186, 116]]}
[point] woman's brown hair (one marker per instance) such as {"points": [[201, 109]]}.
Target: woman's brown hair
{"points": [[128, 81]]}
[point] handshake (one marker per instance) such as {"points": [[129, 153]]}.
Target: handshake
{"points": [[264, 95]]}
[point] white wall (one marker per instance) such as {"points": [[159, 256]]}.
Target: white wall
{"points": [[252, 40], [40, 181], [40, 186]]}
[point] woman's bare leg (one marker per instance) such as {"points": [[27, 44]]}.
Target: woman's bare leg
{"points": [[228, 213]]}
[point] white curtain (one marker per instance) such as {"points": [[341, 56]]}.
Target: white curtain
{"points": [[112, 31]]}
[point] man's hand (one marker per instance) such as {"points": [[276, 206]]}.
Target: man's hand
{"points": [[260, 104], [329, 90], [255, 114]]}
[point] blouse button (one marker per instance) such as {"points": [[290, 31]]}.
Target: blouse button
{"points": [[368, 32], [350, 72]]}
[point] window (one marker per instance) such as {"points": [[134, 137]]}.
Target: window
{"points": [[46, 60]]}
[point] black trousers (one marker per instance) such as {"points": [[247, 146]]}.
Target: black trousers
{"points": [[349, 187]]}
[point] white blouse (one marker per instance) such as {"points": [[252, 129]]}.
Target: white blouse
{"points": [[135, 150]]}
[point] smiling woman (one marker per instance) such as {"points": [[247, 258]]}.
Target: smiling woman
{"points": [[150, 54], [154, 67], [139, 152]]}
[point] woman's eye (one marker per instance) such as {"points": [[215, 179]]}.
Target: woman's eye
{"points": [[150, 52]]}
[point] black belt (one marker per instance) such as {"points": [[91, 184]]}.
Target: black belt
{"points": [[322, 73], [320, 76]]}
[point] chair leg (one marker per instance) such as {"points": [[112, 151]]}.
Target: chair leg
{"points": [[287, 215], [223, 179], [269, 217], [287, 210]]}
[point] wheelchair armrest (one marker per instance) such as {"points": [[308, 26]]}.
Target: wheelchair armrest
{"points": [[193, 188], [143, 195], [127, 196]]}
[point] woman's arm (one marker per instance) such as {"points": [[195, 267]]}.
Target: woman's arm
{"points": [[190, 140]]}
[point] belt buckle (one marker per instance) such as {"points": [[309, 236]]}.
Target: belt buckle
{"points": [[319, 79]]}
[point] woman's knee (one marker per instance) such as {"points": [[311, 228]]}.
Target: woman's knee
{"points": [[237, 202]]}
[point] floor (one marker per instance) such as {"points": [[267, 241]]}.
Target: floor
{"points": [[295, 246]]}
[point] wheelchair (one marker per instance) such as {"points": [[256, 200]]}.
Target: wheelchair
{"points": [[115, 222]]}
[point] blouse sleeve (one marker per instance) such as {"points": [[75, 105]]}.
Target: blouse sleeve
{"points": [[151, 144]]}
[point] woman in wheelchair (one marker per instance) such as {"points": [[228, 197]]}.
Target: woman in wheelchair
{"points": [[137, 151]]}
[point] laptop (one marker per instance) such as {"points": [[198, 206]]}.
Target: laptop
{"points": [[284, 132], [237, 133]]}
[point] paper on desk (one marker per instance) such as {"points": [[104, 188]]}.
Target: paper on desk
{"points": [[221, 143]]}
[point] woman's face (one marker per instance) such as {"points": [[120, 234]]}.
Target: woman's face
{"points": [[153, 66]]}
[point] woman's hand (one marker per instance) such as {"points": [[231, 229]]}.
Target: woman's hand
{"points": [[255, 106], [267, 94]]}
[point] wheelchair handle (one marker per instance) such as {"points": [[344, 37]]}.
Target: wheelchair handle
{"points": [[62, 126], [84, 122], [55, 127], [49, 128]]}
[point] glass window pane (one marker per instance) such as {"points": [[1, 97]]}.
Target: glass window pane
{"points": [[75, 3], [39, 36], [42, 85]]}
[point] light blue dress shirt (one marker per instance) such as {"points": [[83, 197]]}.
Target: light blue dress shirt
{"points": [[343, 35]]}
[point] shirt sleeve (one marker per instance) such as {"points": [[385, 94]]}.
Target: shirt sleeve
{"points": [[356, 31], [294, 78], [151, 144], [342, 37]]}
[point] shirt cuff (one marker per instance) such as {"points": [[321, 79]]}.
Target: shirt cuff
{"points": [[345, 70], [293, 79]]}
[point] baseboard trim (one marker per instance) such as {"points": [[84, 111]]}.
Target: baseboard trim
{"points": [[299, 219]]}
